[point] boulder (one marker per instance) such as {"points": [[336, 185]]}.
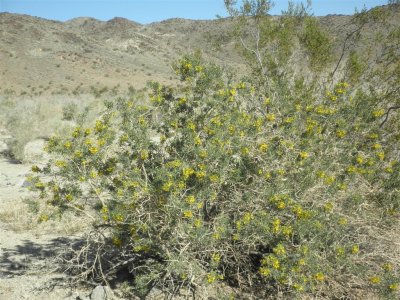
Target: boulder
{"points": [[99, 293]]}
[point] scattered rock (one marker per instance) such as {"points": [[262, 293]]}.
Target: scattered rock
{"points": [[25, 184], [4, 148], [99, 293], [4, 142]]}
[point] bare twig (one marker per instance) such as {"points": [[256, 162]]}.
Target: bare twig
{"points": [[387, 114]]}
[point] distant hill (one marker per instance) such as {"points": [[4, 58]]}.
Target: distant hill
{"points": [[59, 57]]}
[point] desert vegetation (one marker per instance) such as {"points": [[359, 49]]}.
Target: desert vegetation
{"points": [[280, 181]]}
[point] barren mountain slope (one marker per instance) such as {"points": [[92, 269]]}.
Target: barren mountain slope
{"points": [[44, 56]]}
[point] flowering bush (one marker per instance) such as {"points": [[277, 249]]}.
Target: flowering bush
{"points": [[212, 183]]}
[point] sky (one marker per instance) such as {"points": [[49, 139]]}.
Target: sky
{"points": [[147, 11]]}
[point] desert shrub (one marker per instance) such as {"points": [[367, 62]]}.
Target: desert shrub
{"points": [[69, 111], [317, 43], [211, 184]]}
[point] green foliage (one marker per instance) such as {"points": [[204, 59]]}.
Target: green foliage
{"points": [[209, 184], [355, 67], [316, 43]]}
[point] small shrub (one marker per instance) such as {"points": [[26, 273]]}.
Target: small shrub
{"points": [[69, 111]]}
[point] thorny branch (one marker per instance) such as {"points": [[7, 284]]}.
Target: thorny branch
{"points": [[387, 114]]}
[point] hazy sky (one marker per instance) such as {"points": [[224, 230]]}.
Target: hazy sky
{"points": [[146, 11]]}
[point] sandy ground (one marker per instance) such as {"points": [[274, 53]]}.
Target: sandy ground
{"points": [[26, 247]]}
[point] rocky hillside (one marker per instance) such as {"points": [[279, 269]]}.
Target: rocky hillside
{"points": [[39, 56]]}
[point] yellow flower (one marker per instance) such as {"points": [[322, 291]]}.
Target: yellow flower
{"points": [[270, 117], [167, 186], [144, 154], [289, 120], [99, 127], [197, 141], [211, 278], [188, 214], [174, 164], [67, 145], [76, 132], [273, 262], [393, 287], [43, 218], [197, 223], [216, 257], [319, 277], [78, 154], [203, 154], [182, 101], [200, 174], [378, 113], [303, 155], [264, 271], [280, 250], [214, 178], [191, 126], [216, 235], [301, 262], [340, 251], [381, 155], [287, 230], [328, 207], [263, 147], [124, 138], [88, 131], [351, 169], [360, 159], [388, 267], [60, 163], [355, 249], [389, 169], [35, 169], [245, 151], [298, 287], [377, 146], [281, 205], [341, 133], [187, 172], [329, 180], [281, 172], [118, 217], [142, 121], [375, 280], [190, 199], [93, 150], [276, 225], [247, 217]]}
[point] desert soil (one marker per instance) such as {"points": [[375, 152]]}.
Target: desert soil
{"points": [[26, 247]]}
